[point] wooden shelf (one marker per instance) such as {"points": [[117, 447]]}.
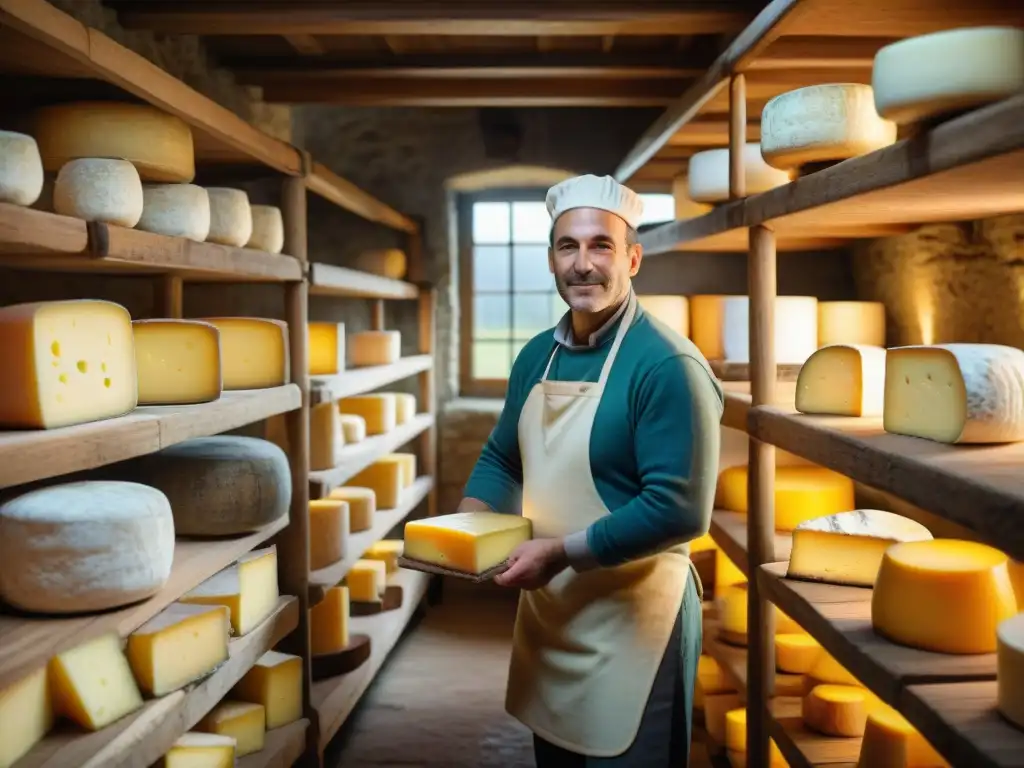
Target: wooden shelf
{"points": [[143, 737], [740, 372], [331, 280], [738, 401], [357, 381], [733, 659], [282, 747], [329, 185], [802, 747], [31, 455], [729, 530]]}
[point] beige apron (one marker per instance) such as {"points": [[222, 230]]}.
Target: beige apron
{"points": [[586, 648]]}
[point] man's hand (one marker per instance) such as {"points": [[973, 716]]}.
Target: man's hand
{"points": [[533, 564]]}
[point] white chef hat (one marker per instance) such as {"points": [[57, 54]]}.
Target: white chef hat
{"points": [[601, 192]]}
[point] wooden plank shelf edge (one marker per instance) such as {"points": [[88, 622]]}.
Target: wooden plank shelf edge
{"points": [[729, 531], [802, 747], [332, 280], [343, 193], [357, 381], [282, 748]]}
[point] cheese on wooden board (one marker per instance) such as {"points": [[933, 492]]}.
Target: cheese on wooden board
{"points": [[254, 352], [405, 408], [851, 322], [387, 262], [84, 546], [891, 742], [275, 682], [933, 75], [92, 683], [362, 503], [379, 411], [842, 380], [847, 548], [720, 327], [230, 216], [471, 542], [801, 493], [328, 532], [716, 708], [407, 467], [795, 652], [367, 580], [328, 622], [21, 170], [200, 750], [836, 710], [99, 189], [180, 644], [353, 428], [709, 174], [26, 715], [248, 588], [736, 741], [267, 229], [683, 207], [244, 721], [955, 393], [945, 595], [385, 478], [388, 550], [1016, 570], [325, 437], [375, 348], [176, 210], [178, 361], [326, 348], [671, 310]]}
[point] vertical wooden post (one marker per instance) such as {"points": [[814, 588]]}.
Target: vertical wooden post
{"points": [[170, 296], [737, 135], [428, 332], [377, 320]]}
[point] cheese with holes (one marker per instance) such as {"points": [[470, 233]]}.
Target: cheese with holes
{"points": [[733, 615], [388, 550], [945, 595], [386, 262], [842, 380], [180, 644], [471, 542], [405, 408], [92, 684], [362, 503], [955, 393], [847, 548], [353, 428], [407, 467], [891, 742], [328, 532], [267, 229], [248, 588], [325, 436], [720, 327], [200, 750], [178, 361], [385, 477], [1016, 570], [934, 75], [244, 721], [801, 493], [851, 322], [21, 170], [672, 311], [1010, 669], [795, 652], [26, 715], [709, 174], [99, 189], [254, 352], [375, 348], [367, 580], [683, 207], [84, 546], [328, 622], [736, 741], [176, 210], [275, 682], [326, 348], [230, 216], [379, 411], [836, 710]]}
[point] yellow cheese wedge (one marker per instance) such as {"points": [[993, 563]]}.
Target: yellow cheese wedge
{"points": [[26, 716], [367, 580], [326, 349], [328, 622], [353, 428], [733, 615], [736, 741], [275, 682], [801, 493], [328, 532], [325, 437], [471, 542], [407, 466], [795, 652], [362, 503], [92, 684], [842, 380], [384, 478], [727, 572], [836, 710], [405, 405], [178, 361], [180, 644], [242, 720], [248, 589], [375, 348], [200, 750], [851, 322], [388, 550], [891, 742], [1009, 669], [254, 352], [379, 411], [946, 596], [1016, 570]]}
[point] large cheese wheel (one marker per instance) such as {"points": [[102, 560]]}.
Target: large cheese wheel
{"points": [[84, 546], [891, 742], [720, 327], [709, 174], [388, 262], [21, 169], [671, 310], [176, 210], [685, 208], [158, 144], [801, 493], [267, 229], [230, 216], [932, 75], [851, 322], [842, 380], [99, 189]]}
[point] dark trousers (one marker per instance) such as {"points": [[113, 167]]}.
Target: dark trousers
{"points": [[663, 740]]}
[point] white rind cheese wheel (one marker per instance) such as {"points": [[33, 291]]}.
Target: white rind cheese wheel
{"points": [[955, 393], [85, 546], [21, 169], [99, 189], [842, 380], [685, 208], [267, 229], [796, 328], [822, 123], [709, 174], [671, 310], [1010, 670], [230, 216], [851, 322], [958, 69], [353, 428], [176, 210], [389, 262]]}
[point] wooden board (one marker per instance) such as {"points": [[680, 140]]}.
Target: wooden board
{"points": [[331, 280], [349, 659], [729, 530], [282, 747], [357, 381], [804, 748], [437, 570]]}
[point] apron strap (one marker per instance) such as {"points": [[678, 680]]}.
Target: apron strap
{"points": [[627, 320]]}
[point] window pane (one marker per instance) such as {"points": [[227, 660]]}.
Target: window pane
{"points": [[491, 223], [530, 268], [658, 208], [558, 308], [491, 268], [530, 223], [492, 316], [532, 314], [492, 359]]}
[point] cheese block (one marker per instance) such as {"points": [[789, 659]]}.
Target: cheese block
{"points": [[736, 741], [407, 467], [933, 75], [685, 208], [325, 437], [21, 171], [795, 652], [100, 189], [248, 588], [727, 572], [709, 174], [1010, 669], [84, 546], [375, 348], [842, 380], [851, 322], [715, 710], [92, 683], [326, 348], [387, 262], [254, 352], [200, 750], [328, 532], [176, 210], [26, 715], [65, 363], [353, 428], [388, 550], [405, 408], [379, 411], [711, 678], [328, 622], [471, 542], [180, 644], [720, 327], [362, 503], [275, 682], [945, 595], [367, 580], [891, 742], [385, 478], [178, 361], [267, 229], [822, 123], [672, 311], [955, 393], [244, 721], [836, 710], [1016, 570], [733, 615], [230, 216], [801, 493]]}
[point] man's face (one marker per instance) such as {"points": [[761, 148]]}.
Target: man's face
{"points": [[590, 260]]}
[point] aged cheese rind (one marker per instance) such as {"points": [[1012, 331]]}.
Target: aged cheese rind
{"points": [[405, 408], [92, 683], [178, 646], [388, 262], [836, 710], [851, 322], [842, 380], [230, 216], [275, 682], [709, 174], [472, 542], [385, 478], [254, 352], [21, 169], [178, 361], [367, 580], [267, 229], [671, 310], [176, 210], [26, 715], [99, 189]]}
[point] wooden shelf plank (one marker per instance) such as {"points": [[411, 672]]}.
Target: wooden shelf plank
{"points": [[30, 455], [740, 372], [28, 641], [729, 530], [733, 659], [804, 748], [283, 746], [142, 738], [331, 280], [27, 231], [978, 487], [329, 185], [738, 401], [357, 381]]}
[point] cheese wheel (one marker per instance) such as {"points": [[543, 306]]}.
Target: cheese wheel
{"points": [[685, 208], [932, 75], [1016, 570], [736, 741], [955, 393], [842, 380], [836, 710], [671, 310], [157, 144], [801, 493], [328, 532], [891, 742], [388, 262], [851, 322], [709, 174], [176, 210], [230, 216], [99, 189], [21, 169], [945, 595], [326, 348], [795, 652], [85, 546], [177, 361], [267, 229], [711, 678], [720, 327], [732, 612], [1010, 669], [375, 348], [353, 427]]}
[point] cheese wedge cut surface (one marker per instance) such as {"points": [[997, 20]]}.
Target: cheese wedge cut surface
{"points": [[200, 750], [325, 437], [795, 652], [179, 645], [178, 361], [254, 352], [244, 721], [842, 380], [379, 411], [851, 322], [385, 478], [326, 348], [328, 622], [891, 742], [1010, 669], [405, 408], [362, 504], [248, 589], [26, 716], [836, 710], [388, 550], [847, 548], [375, 348], [275, 682], [801, 493], [92, 684], [353, 428], [367, 580], [471, 542], [328, 532]]}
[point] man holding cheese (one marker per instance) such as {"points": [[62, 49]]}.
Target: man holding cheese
{"points": [[609, 437]]}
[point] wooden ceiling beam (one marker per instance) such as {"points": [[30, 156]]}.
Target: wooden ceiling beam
{"points": [[818, 53], [400, 72], [306, 44]]}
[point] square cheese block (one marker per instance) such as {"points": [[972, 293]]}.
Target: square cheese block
{"points": [[367, 580], [248, 588], [65, 363], [407, 465], [379, 411], [92, 684], [179, 645], [328, 622], [353, 428], [842, 380], [388, 550], [405, 408], [326, 349], [471, 542], [275, 682], [26, 715], [254, 352], [200, 750], [178, 361], [325, 437], [328, 531], [385, 478], [362, 503], [375, 348], [244, 721]]}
